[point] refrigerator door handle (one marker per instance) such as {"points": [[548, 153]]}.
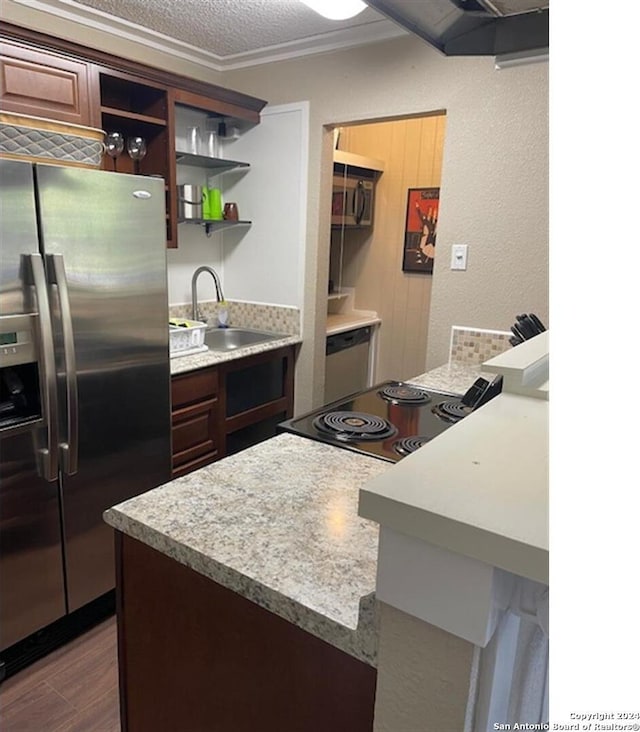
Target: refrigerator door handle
{"points": [[48, 456], [68, 449]]}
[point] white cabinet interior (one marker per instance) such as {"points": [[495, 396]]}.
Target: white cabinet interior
{"points": [[201, 161]]}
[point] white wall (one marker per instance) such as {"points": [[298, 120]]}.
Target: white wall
{"points": [[262, 263], [265, 263], [194, 249]]}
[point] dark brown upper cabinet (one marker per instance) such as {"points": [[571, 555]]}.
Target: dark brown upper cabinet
{"points": [[43, 84], [57, 79]]}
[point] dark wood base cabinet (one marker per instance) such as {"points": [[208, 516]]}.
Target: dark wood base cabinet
{"points": [[196, 657], [219, 410], [195, 424]]}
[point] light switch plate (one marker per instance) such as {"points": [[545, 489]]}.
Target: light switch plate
{"points": [[459, 256]]}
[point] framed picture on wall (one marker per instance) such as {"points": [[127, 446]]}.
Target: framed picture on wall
{"points": [[420, 230]]}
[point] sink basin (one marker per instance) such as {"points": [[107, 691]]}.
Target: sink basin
{"points": [[228, 339]]}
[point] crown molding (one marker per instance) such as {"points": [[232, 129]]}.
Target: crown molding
{"points": [[120, 28], [380, 30]]}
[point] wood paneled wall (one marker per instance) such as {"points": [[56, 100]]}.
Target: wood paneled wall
{"points": [[372, 260]]}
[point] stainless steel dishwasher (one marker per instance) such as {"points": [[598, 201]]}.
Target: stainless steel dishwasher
{"points": [[347, 364]]}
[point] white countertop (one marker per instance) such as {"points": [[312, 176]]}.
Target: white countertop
{"points": [[525, 368], [480, 489]]}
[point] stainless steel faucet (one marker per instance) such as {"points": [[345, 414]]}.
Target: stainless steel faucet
{"points": [[194, 289]]}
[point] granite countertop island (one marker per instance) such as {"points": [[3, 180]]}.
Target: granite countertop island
{"points": [[278, 524]]}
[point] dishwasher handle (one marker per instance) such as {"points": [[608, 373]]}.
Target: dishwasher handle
{"points": [[349, 339]]}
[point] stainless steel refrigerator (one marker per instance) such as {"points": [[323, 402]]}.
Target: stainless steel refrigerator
{"points": [[84, 378]]}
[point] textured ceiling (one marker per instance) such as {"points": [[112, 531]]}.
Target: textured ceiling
{"points": [[229, 27], [228, 34]]}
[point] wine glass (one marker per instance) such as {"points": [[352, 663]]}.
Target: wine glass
{"points": [[114, 145], [137, 149]]}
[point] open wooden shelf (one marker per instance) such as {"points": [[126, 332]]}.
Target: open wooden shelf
{"points": [[147, 119]]}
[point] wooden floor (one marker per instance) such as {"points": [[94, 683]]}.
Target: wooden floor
{"points": [[73, 689]]}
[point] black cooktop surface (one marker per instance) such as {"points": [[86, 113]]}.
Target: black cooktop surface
{"points": [[387, 421]]}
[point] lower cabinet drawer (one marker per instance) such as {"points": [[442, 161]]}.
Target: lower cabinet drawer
{"points": [[195, 435], [193, 387]]}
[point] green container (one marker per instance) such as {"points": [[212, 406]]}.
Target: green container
{"points": [[212, 204]]}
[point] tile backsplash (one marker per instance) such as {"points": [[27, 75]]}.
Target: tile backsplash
{"points": [[476, 345], [273, 318]]}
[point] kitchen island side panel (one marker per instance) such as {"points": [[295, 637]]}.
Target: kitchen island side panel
{"points": [[195, 655]]}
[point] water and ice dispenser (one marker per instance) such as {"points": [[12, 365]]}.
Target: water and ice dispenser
{"points": [[20, 400]]}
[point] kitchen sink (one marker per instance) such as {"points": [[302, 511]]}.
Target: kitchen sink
{"points": [[228, 339]]}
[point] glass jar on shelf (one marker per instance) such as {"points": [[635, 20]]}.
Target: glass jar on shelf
{"points": [[212, 142]]}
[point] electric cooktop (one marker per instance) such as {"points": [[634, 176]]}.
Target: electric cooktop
{"points": [[391, 420]]}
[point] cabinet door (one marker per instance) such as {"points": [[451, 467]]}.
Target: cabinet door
{"points": [[195, 421], [258, 395], [44, 84], [241, 667], [194, 433]]}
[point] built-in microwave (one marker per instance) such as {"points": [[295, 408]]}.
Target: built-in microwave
{"points": [[352, 197]]}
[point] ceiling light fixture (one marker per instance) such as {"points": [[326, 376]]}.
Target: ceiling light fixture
{"points": [[336, 9]]}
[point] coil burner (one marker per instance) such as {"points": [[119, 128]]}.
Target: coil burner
{"points": [[407, 445], [390, 420], [404, 394], [451, 411], [348, 426]]}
